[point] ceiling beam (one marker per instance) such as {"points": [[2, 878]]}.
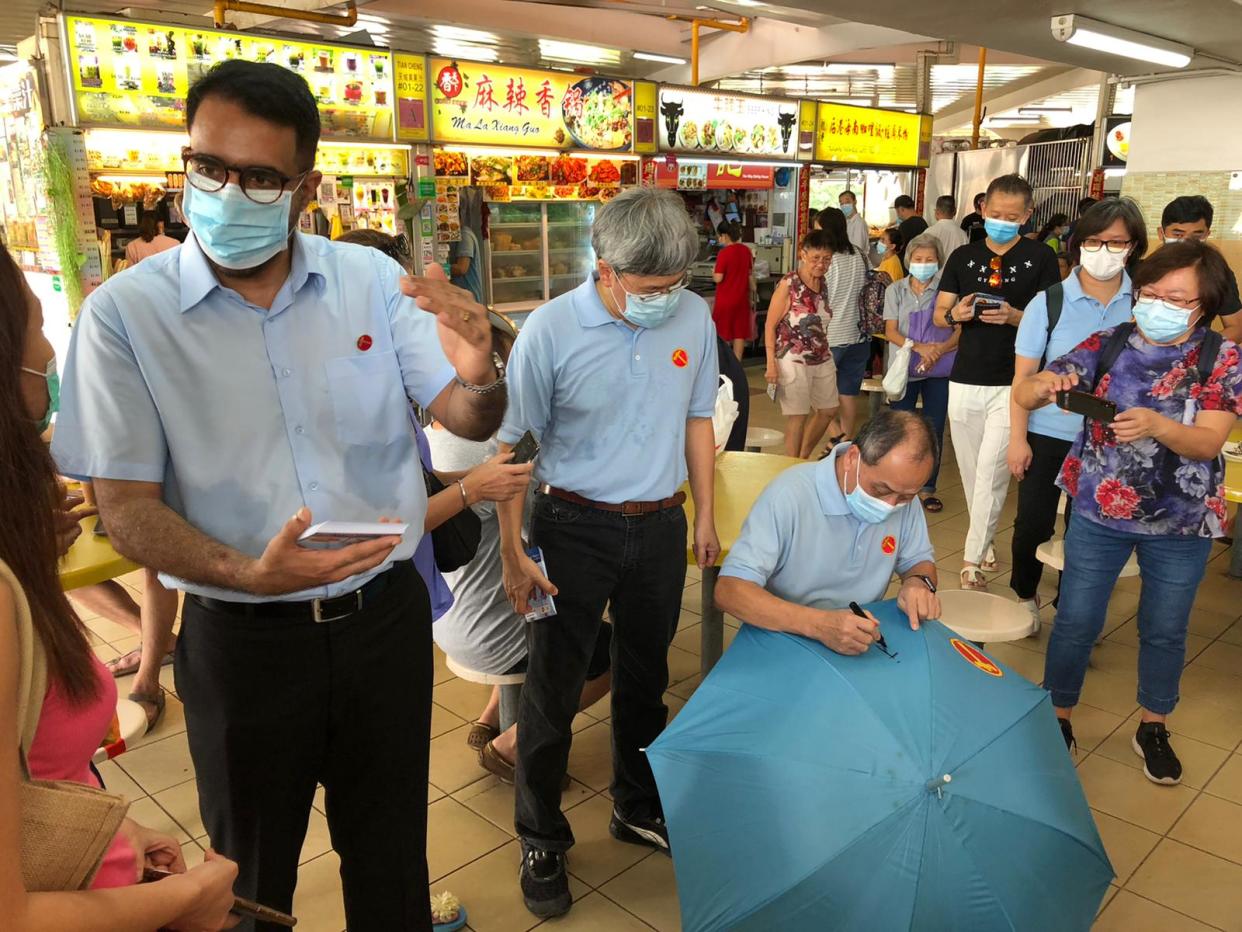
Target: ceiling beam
{"points": [[1047, 83]]}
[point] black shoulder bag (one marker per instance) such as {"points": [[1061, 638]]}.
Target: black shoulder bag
{"points": [[456, 541]]}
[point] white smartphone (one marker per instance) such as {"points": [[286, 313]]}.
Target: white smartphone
{"points": [[332, 534], [542, 605]]}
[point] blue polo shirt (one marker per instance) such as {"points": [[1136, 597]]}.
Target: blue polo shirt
{"points": [[245, 414], [607, 402], [1081, 316], [802, 543]]}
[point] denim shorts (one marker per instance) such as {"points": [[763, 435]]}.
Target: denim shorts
{"points": [[851, 363]]}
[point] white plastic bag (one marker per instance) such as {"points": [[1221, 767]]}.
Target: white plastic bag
{"points": [[898, 372], [725, 412]]}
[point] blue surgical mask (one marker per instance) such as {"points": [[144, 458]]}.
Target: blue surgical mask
{"points": [[1160, 321], [233, 231], [53, 392], [847, 209], [924, 271], [650, 311], [881, 247], [1001, 231], [867, 508]]}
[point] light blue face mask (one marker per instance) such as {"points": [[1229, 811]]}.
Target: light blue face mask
{"points": [[650, 311], [924, 271], [53, 392], [233, 231], [865, 507], [847, 209], [881, 247], [1001, 231], [1160, 321]]}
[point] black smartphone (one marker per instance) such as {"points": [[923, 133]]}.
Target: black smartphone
{"points": [[100, 530], [1088, 405], [525, 449], [987, 302]]}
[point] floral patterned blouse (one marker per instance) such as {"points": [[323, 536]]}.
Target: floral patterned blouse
{"points": [[803, 332], [1144, 487]]}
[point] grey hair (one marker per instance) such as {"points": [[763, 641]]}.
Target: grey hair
{"points": [[645, 231], [927, 241], [889, 429]]}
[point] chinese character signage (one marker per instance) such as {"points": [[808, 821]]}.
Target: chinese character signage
{"points": [[133, 74], [862, 136], [646, 117], [700, 121], [410, 80], [478, 103]]}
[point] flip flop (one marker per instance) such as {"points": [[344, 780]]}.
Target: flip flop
{"points": [[973, 579], [146, 699], [447, 913], [129, 662]]}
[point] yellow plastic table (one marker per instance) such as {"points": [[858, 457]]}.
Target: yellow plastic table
{"points": [[740, 477], [1233, 493], [92, 560]]}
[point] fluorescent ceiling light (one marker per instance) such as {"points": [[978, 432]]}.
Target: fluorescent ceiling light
{"points": [[803, 70], [652, 56], [1013, 120], [577, 53], [463, 35], [746, 2], [850, 101], [1114, 40], [1035, 111], [452, 49]]}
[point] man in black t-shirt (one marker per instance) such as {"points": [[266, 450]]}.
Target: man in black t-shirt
{"points": [[911, 224], [1012, 270], [1189, 217], [972, 224]]}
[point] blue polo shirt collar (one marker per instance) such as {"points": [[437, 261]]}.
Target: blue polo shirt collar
{"points": [[198, 280], [1073, 288], [827, 489], [588, 306]]}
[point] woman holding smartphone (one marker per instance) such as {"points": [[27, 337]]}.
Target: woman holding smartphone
{"points": [[1148, 482]]}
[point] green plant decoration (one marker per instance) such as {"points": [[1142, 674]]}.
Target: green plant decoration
{"points": [[63, 219]]}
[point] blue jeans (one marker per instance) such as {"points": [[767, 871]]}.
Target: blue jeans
{"points": [[1171, 567], [935, 394]]}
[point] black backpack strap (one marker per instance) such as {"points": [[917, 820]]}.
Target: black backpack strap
{"points": [[1209, 349], [1055, 296], [1112, 348]]}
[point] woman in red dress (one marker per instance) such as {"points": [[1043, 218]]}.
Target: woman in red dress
{"points": [[732, 311]]}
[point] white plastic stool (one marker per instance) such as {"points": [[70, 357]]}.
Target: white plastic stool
{"points": [[759, 437], [132, 721], [983, 617], [1052, 553], [510, 687], [875, 387]]}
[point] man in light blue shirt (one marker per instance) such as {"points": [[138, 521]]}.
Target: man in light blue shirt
{"points": [[617, 380], [249, 375], [465, 257], [834, 532], [1109, 238]]}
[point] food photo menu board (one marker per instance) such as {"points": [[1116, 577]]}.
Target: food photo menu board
{"points": [[138, 74], [700, 121]]}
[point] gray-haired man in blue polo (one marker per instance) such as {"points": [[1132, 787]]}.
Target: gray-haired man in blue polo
{"points": [[834, 532]]}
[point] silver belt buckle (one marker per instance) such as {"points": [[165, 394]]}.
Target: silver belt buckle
{"points": [[317, 608]]}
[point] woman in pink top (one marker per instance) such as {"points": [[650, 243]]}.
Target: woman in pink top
{"points": [[151, 239], [78, 703]]}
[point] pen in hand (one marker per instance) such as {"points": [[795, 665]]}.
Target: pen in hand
{"points": [[857, 610]]}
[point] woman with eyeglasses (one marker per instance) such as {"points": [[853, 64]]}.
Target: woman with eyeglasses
{"points": [[1110, 239], [1148, 481]]}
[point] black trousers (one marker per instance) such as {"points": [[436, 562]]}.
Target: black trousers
{"points": [[638, 564], [1036, 521], [275, 705]]}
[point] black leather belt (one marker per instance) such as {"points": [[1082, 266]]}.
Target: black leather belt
{"points": [[317, 610]]}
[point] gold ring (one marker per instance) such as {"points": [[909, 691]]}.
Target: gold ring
{"points": [[465, 317]]}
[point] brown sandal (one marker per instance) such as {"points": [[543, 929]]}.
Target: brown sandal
{"points": [[150, 699], [491, 760], [480, 734]]}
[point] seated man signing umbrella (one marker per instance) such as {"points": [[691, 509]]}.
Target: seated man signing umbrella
{"points": [[833, 532]]}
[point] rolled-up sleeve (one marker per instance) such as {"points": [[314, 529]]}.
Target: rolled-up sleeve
{"points": [[1032, 339], [425, 370], [531, 380], [707, 375], [760, 549], [916, 546], [108, 426]]}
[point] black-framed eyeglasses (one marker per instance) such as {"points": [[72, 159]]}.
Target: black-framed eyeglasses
{"points": [[1115, 246], [262, 185]]}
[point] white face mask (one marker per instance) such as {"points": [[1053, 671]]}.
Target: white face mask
{"points": [[1103, 265]]}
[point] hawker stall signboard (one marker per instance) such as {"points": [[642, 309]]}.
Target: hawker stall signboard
{"points": [[700, 121], [131, 74], [866, 136], [492, 105], [410, 75]]}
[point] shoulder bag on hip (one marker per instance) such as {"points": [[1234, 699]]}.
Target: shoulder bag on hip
{"points": [[456, 541]]}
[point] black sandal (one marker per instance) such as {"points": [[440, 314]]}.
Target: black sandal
{"points": [[933, 504], [832, 442]]}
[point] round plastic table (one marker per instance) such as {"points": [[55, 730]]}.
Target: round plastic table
{"points": [[92, 560], [740, 477]]}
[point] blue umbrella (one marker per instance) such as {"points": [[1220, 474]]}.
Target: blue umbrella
{"points": [[928, 790]]}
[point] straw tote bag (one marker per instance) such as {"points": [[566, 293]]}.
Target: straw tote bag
{"points": [[66, 827]]}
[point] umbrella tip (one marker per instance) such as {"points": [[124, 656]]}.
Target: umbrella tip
{"points": [[936, 784]]}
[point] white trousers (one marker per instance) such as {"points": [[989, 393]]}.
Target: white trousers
{"points": [[979, 426]]}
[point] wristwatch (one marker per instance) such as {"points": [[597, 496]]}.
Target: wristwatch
{"points": [[927, 580], [487, 389]]}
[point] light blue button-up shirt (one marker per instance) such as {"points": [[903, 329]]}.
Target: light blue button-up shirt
{"points": [[247, 414], [609, 403], [802, 543], [1081, 316]]}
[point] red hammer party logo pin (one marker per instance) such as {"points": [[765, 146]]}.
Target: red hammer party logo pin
{"points": [[681, 358]]}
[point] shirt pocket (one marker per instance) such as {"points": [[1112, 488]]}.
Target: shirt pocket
{"points": [[368, 398]]}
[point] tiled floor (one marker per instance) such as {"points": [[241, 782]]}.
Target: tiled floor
{"points": [[1177, 850]]}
